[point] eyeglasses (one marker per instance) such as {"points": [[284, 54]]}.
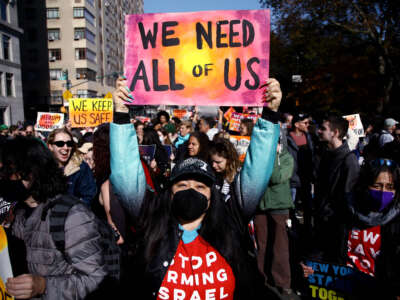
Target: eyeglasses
{"points": [[384, 162], [60, 144]]}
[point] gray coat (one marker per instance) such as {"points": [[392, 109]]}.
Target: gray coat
{"points": [[82, 245]]}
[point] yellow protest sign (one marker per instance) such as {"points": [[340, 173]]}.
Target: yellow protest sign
{"points": [[5, 265], [67, 95], [90, 112]]}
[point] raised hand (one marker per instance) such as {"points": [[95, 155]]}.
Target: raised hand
{"points": [[272, 94], [122, 95]]}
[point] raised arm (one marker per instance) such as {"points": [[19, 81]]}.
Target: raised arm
{"points": [[259, 162], [127, 175]]}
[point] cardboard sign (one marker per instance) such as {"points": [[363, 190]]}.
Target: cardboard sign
{"points": [[215, 58], [182, 114], [234, 122], [228, 114], [90, 112], [49, 121], [5, 265], [241, 144], [144, 120], [355, 124], [147, 152]]}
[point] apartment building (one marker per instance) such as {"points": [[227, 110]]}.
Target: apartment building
{"points": [[34, 58], [11, 102], [86, 45]]}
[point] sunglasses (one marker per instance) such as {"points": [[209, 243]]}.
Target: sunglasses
{"points": [[384, 162], [60, 144]]}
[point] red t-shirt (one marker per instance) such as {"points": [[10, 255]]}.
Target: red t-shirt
{"points": [[197, 272], [300, 140], [363, 248]]}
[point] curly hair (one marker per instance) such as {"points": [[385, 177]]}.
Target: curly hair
{"points": [[223, 147], [162, 113], [101, 153], [32, 160]]}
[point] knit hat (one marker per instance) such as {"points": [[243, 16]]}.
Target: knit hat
{"points": [[3, 127], [193, 168]]}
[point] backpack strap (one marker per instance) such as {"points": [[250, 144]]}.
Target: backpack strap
{"points": [[59, 209]]}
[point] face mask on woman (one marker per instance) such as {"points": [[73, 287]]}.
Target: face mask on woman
{"points": [[380, 199], [188, 205], [14, 191]]}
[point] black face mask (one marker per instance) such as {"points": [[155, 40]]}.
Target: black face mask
{"points": [[13, 191], [189, 205]]}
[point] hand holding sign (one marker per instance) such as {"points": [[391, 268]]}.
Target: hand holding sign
{"points": [[26, 286], [122, 95], [272, 94]]}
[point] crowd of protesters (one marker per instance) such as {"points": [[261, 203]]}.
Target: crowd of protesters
{"points": [[184, 220]]}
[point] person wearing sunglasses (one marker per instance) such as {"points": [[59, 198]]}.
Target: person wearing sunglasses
{"points": [[369, 238], [81, 182]]}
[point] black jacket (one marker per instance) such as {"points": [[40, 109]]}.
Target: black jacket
{"points": [[303, 171]]}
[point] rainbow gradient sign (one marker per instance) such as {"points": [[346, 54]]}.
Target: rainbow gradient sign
{"points": [[199, 58]]}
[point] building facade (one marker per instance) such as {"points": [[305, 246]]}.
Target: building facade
{"points": [[86, 45], [34, 59], [11, 101]]}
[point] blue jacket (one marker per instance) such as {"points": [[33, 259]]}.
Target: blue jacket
{"points": [[82, 184]]}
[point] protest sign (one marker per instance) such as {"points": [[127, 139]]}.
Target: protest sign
{"points": [[355, 124], [5, 265], [5, 209], [49, 121], [182, 114], [142, 119], [331, 281], [228, 114], [147, 152], [241, 144], [234, 122], [214, 58], [90, 112]]}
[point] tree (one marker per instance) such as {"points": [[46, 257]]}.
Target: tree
{"points": [[318, 31]]}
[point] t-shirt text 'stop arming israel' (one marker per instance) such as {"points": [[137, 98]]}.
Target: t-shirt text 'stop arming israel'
{"points": [[212, 58], [197, 272]]}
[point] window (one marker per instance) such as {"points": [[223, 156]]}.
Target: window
{"points": [[55, 74], [91, 2], [56, 97], [79, 12], [84, 53], [80, 53], [88, 74], [6, 47], [9, 85], [54, 54], [3, 10], [53, 13], [91, 37], [89, 17], [53, 34], [79, 33], [84, 33]]}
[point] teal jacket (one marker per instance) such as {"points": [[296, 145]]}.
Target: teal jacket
{"points": [[129, 182], [277, 195]]}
